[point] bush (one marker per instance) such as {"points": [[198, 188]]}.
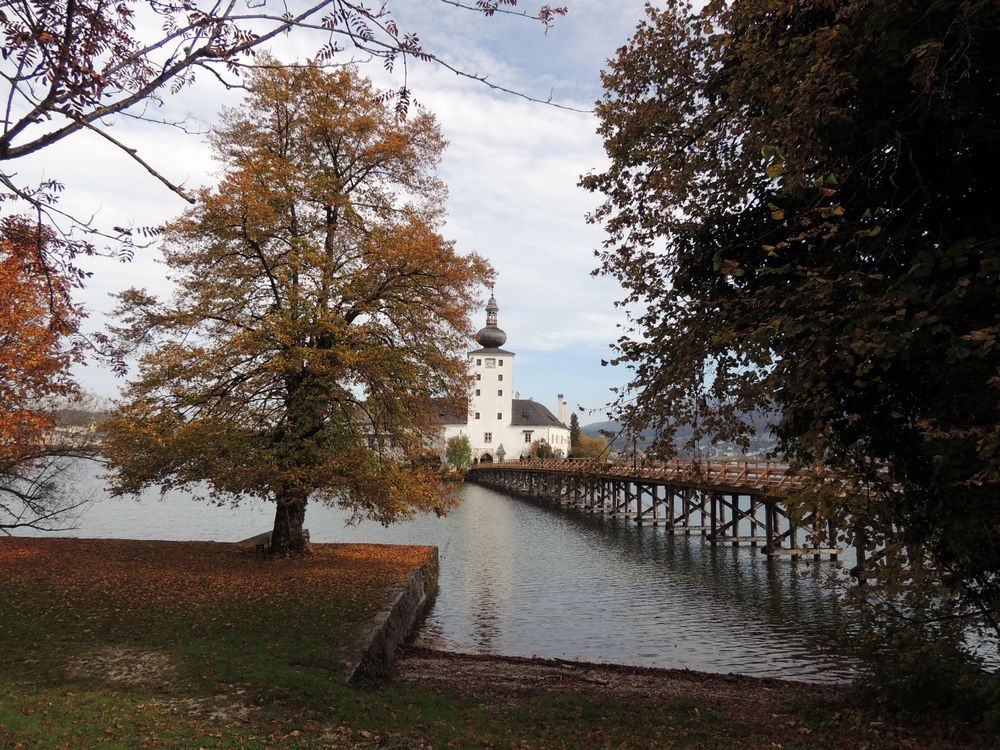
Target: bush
{"points": [[918, 670]]}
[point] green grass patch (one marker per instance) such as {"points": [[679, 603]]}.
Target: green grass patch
{"points": [[117, 644]]}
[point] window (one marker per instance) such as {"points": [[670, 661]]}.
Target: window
{"points": [[527, 436], [500, 376], [479, 376], [500, 391], [477, 392], [500, 362], [499, 415], [477, 415], [479, 362], [491, 362], [487, 437]]}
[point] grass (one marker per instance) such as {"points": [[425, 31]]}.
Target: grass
{"points": [[127, 644]]}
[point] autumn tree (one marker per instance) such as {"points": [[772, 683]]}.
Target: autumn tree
{"points": [[590, 447], [539, 449], [94, 66], [38, 345], [800, 207], [458, 452], [318, 313]]}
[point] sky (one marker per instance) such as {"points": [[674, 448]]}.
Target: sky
{"points": [[511, 167]]}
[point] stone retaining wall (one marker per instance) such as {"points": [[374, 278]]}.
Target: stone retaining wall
{"points": [[371, 654]]}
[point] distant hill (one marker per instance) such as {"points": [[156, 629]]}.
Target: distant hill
{"points": [[759, 445]]}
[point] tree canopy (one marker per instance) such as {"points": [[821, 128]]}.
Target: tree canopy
{"points": [[590, 447], [574, 430], [458, 452], [38, 345], [317, 315], [799, 205], [539, 449]]}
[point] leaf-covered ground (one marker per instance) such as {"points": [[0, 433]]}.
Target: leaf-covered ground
{"points": [[126, 644]]}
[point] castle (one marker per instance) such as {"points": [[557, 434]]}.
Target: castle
{"points": [[499, 425]]}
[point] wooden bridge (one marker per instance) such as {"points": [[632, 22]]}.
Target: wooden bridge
{"points": [[729, 502]]}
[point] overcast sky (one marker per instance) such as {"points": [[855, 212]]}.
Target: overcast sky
{"points": [[511, 168]]}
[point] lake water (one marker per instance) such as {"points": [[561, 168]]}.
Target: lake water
{"points": [[523, 578]]}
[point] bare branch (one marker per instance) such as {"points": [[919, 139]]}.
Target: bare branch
{"points": [[134, 154]]}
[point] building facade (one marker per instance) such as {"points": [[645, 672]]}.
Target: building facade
{"points": [[499, 425]]}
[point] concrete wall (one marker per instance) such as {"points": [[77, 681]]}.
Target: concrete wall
{"points": [[371, 654]]}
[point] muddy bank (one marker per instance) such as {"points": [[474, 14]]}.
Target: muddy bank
{"points": [[499, 676]]}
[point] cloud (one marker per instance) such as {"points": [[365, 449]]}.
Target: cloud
{"points": [[512, 169]]}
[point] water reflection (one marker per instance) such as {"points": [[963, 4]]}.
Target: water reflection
{"points": [[592, 587], [526, 578]]}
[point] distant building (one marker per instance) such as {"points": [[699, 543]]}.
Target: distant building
{"points": [[499, 425]]}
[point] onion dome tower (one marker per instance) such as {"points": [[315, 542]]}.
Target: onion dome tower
{"points": [[491, 337]]}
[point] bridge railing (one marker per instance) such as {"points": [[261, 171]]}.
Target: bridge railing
{"points": [[758, 474]]}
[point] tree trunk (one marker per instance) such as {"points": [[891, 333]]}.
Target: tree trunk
{"points": [[287, 536]]}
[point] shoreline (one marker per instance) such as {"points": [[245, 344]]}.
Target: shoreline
{"points": [[499, 675]]}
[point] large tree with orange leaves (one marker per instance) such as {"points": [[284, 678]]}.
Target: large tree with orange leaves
{"points": [[38, 344], [317, 313]]}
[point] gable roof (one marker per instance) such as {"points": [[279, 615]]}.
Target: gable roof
{"points": [[447, 413], [528, 413]]}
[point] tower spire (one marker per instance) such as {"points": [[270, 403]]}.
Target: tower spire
{"points": [[491, 337]]}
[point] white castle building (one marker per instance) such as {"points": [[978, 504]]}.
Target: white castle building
{"points": [[499, 425]]}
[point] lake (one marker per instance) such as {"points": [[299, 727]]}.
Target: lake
{"points": [[528, 579]]}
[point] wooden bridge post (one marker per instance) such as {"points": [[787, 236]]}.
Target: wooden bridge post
{"points": [[817, 534], [769, 524], [793, 537], [736, 520], [713, 519], [860, 552]]}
